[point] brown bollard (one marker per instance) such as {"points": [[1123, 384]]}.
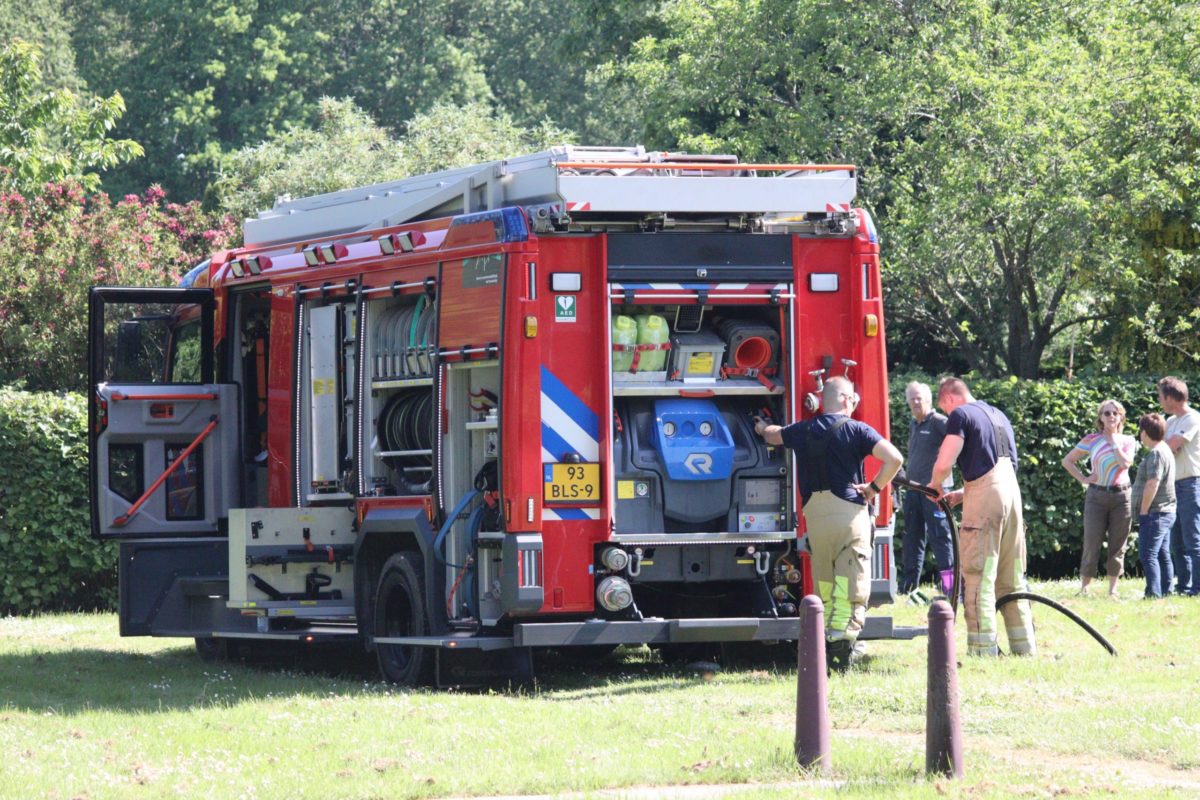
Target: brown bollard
{"points": [[943, 728], [812, 688]]}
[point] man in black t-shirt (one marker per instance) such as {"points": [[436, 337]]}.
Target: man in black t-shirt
{"points": [[991, 539], [830, 449]]}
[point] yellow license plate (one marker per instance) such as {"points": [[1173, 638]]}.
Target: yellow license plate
{"points": [[572, 483]]}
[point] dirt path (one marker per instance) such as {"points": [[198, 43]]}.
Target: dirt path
{"points": [[1114, 770], [674, 791], [1113, 773]]}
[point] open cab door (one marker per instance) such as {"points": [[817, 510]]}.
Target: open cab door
{"points": [[163, 436]]}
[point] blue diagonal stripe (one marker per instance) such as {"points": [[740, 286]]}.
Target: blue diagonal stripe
{"points": [[571, 513], [555, 444], [571, 405]]}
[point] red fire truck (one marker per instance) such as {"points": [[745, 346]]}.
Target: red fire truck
{"points": [[472, 414]]}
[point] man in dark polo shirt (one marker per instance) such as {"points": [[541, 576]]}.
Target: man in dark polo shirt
{"points": [[991, 539], [924, 520], [830, 449]]}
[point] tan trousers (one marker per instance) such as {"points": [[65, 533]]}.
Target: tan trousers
{"points": [[1106, 519], [839, 535], [991, 545]]}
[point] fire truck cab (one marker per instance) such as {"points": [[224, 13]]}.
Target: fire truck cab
{"points": [[467, 415]]}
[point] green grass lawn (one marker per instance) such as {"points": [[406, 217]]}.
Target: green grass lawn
{"points": [[86, 714]]}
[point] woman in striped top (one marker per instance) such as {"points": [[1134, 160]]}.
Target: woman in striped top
{"points": [[1106, 512]]}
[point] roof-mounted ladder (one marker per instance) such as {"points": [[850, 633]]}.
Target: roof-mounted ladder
{"points": [[580, 182]]}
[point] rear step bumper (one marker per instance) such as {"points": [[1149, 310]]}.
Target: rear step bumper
{"points": [[651, 631]]}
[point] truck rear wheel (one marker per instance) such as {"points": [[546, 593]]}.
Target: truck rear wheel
{"points": [[400, 611]]}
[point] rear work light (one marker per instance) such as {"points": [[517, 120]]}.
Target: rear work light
{"points": [[324, 253], [256, 264], [403, 242]]}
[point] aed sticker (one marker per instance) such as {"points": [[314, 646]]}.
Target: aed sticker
{"points": [[564, 308], [700, 364]]}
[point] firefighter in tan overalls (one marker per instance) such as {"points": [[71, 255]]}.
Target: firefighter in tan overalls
{"points": [[830, 449], [991, 538]]}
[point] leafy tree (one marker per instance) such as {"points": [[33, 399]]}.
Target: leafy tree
{"points": [[44, 23], [208, 78], [397, 59], [543, 64], [345, 148], [56, 244], [52, 134], [205, 79], [982, 131], [199, 76], [348, 149], [1155, 199]]}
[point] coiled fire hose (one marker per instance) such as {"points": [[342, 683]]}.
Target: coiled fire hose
{"points": [[902, 480]]}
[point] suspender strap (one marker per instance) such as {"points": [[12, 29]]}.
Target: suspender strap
{"points": [[816, 449], [1002, 448]]}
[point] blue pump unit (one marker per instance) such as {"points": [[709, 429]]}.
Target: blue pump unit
{"points": [[692, 440]]}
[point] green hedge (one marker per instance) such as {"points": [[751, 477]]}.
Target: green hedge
{"points": [[1049, 418], [51, 561]]}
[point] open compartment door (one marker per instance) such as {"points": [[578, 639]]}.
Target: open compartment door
{"points": [[163, 436]]}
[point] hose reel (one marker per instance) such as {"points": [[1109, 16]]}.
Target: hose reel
{"points": [[406, 427]]}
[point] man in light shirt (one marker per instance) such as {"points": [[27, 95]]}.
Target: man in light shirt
{"points": [[1182, 429]]}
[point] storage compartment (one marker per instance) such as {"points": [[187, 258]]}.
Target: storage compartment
{"points": [[292, 562], [665, 348], [398, 413], [685, 455], [467, 490]]}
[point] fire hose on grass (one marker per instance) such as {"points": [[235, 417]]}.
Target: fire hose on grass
{"points": [[902, 480]]}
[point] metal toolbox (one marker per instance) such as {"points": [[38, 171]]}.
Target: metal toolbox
{"points": [[696, 356]]}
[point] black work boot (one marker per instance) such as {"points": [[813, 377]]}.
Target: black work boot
{"points": [[837, 655]]}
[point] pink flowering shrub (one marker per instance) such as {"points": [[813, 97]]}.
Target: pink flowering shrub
{"points": [[55, 245]]}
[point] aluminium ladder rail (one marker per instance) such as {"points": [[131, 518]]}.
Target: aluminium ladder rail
{"points": [[576, 181]]}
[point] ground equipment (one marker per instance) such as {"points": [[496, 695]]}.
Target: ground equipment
{"points": [[466, 415]]}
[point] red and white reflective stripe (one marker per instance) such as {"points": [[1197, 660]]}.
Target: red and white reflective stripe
{"points": [[717, 291], [572, 206], [836, 207]]}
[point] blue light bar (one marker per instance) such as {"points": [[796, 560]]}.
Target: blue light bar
{"points": [[510, 224]]}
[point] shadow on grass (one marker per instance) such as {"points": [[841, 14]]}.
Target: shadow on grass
{"points": [[73, 681], [86, 680]]}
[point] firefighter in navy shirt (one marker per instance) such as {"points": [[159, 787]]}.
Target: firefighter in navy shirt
{"points": [[991, 539], [830, 449]]}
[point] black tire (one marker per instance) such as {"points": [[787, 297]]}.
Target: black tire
{"points": [[211, 649], [400, 611]]}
